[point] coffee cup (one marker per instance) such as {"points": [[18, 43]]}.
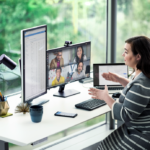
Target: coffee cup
{"points": [[36, 113]]}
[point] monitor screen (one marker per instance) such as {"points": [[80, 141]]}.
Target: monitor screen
{"points": [[118, 68], [68, 64], [33, 62]]}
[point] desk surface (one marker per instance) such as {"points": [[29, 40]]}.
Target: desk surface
{"points": [[20, 130]]}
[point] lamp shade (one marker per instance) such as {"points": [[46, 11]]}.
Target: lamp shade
{"points": [[7, 61]]}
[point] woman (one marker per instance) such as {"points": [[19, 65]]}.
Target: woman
{"points": [[80, 57], [133, 107]]}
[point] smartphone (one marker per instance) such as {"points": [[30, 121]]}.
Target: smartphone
{"points": [[64, 114]]}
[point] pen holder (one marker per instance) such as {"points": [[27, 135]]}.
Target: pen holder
{"points": [[4, 107]]}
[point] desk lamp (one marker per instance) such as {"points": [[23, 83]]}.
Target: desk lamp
{"points": [[7, 61], [10, 64]]}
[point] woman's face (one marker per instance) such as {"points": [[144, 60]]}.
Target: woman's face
{"points": [[129, 58], [79, 52]]}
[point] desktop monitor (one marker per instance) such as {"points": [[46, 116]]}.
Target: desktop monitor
{"points": [[33, 64], [68, 64]]}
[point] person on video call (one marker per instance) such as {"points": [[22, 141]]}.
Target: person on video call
{"points": [[79, 56], [58, 79], [133, 108], [58, 61], [79, 73]]}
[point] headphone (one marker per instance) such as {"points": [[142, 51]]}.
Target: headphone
{"points": [[58, 69]]}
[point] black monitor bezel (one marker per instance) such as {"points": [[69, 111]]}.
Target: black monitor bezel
{"points": [[106, 65], [61, 48], [23, 62]]}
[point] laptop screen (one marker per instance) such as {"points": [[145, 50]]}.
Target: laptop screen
{"points": [[118, 68]]}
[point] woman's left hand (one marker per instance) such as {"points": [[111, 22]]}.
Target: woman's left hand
{"points": [[99, 94]]}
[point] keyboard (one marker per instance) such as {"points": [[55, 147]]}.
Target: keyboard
{"points": [[90, 104], [110, 88]]}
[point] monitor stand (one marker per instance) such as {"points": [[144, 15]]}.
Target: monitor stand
{"points": [[38, 101], [65, 93]]}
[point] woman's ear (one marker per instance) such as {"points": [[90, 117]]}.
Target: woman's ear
{"points": [[138, 57]]}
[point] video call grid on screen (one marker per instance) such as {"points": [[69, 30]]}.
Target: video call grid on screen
{"points": [[34, 61], [68, 63], [119, 68]]}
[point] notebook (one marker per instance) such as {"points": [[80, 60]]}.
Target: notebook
{"points": [[99, 82]]}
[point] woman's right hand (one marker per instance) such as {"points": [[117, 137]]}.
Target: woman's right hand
{"points": [[111, 77]]}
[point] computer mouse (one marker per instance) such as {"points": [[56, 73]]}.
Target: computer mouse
{"points": [[116, 95]]}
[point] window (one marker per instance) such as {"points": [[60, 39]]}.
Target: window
{"points": [[132, 20]]}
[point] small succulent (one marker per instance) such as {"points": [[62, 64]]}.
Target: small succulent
{"points": [[22, 108]]}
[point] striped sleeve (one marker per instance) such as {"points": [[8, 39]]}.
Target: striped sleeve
{"points": [[121, 98], [112, 109], [134, 104]]}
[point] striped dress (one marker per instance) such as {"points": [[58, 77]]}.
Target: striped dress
{"points": [[133, 109]]}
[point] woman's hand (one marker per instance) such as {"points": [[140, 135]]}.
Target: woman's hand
{"points": [[99, 94], [111, 76]]}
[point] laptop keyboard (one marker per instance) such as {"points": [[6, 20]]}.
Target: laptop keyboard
{"points": [[110, 88], [90, 104]]}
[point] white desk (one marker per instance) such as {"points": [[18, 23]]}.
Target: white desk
{"points": [[20, 130]]}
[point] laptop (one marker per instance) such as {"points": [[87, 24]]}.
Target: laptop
{"points": [[99, 82]]}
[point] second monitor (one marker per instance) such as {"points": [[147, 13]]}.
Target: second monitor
{"points": [[68, 64]]}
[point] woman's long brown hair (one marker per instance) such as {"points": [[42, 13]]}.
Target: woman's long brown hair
{"points": [[141, 45]]}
